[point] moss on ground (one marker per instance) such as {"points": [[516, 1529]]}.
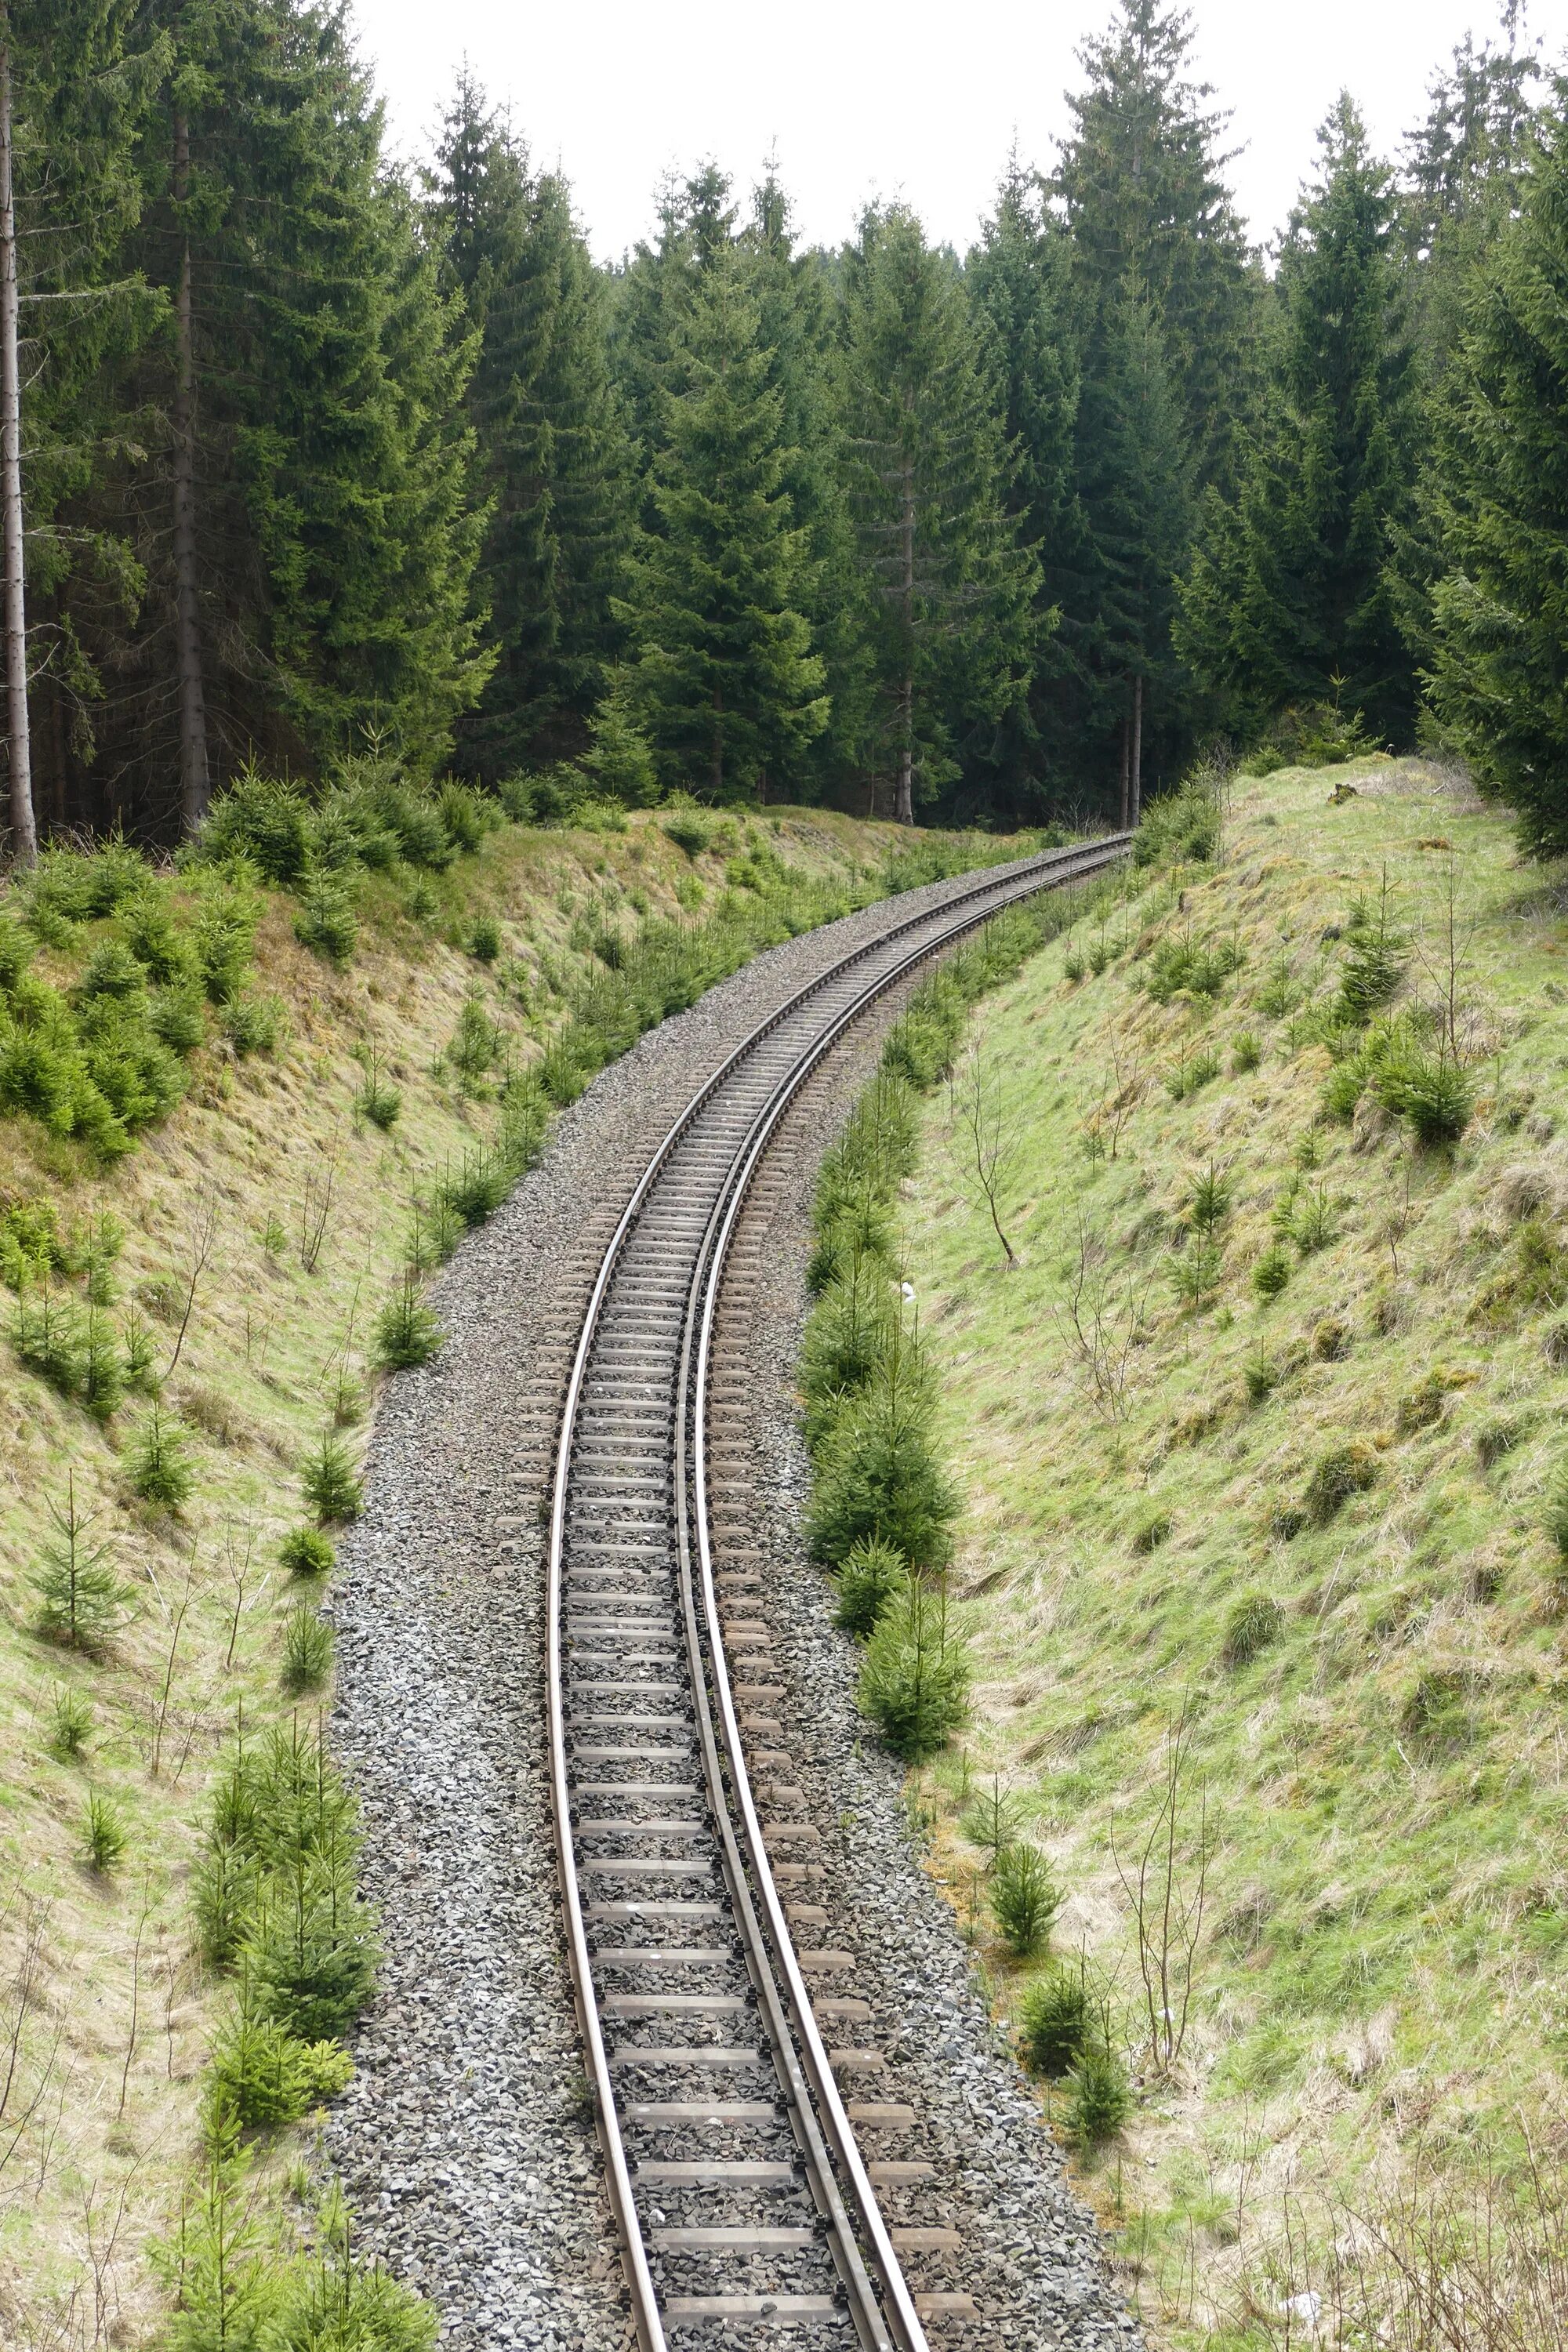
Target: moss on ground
{"points": [[1303, 1516]]}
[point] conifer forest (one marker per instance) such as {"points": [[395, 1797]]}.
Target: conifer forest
{"points": [[310, 456]]}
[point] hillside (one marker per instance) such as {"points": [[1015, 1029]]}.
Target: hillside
{"points": [[1260, 1437], [220, 1253]]}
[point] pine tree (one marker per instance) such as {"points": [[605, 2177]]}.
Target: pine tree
{"points": [[950, 592], [796, 327], [80, 77], [305, 526], [552, 450], [1019, 279], [724, 682], [1463, 177], [1498, 673], [1288, 601], [1152, 221], [1133, 481]]}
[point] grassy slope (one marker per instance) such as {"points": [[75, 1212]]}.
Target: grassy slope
{"points": [[272, 1351], [1384, 1956]]}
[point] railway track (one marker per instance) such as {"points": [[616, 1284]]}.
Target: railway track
{"points": [[735, 2174]]}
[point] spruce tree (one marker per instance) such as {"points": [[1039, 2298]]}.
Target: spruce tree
{"points": [[1133, 481], [1498, 669], [950, 591], [1019, 280], [724, 682], [1142, 184], [1288, 600], [551, 448], [306, 525]]}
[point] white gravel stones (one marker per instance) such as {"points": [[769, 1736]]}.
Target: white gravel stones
{"points": [[465, 2141]]}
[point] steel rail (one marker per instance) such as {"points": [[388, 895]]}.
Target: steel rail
{"points": [[987, 897]]}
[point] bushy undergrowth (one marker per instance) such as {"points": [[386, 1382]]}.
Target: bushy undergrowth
{"points": [[883, 1501], [104, 1057]]}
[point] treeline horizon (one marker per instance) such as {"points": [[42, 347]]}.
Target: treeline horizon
{"points": [[322, 461]]}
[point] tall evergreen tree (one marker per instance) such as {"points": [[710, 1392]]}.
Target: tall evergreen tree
{"points": [[1134, 486], [1288, 600], [305, 523], [81, 76], [1463, 175], [1019, 279], [551, 448], [949, 590], [724, 682], [796, 326], [1497, 676], [1141, 181]]}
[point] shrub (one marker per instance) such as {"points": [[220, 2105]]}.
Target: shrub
{"points": [[1073, 966], [1337, 1474], [1025, 1898], [267, 2076], [174, 1017], [307, 1649], [1428, 1090], [914, 1677], [1152, 1532], [879, 1478], [1182, 827], [263, 821], [484, 939], [81, 1600], [1374, 960], [379, 1103], [1211, 1197], [312, 1964], [1100, 2098], [1186, 968], [475, 1044], [1260, 1376], [870, 1576], [688, 832], [326, 922], [1195, 1273], [406, 1332], [1246, 1053], [70, 1722], [478, 1188], [104, 1837], [140, 1354], [48, 1335], [1254, 1622], [329, 1484], [156, 1465], [990, 1822], [306, 1551], [1055, 2021], [251, 1025]]}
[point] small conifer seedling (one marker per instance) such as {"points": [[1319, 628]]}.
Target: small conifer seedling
{"points": [[329, 1485]]}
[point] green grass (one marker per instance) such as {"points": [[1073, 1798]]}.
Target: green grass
{"points": [[265, 1220], [1359, 1594]]}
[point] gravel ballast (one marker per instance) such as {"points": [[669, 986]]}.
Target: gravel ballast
{"points": [[465, 2141]]}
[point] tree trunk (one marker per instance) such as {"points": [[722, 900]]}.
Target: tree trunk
{"points": [[195, 782], [1126, 775], [1137, 747], [904, 811], [24, 828]]}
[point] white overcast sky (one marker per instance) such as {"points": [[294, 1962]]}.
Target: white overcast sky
{"points": [[863, 99]]}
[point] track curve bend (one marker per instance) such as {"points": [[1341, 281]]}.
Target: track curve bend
{"points": [[734, 2173]]}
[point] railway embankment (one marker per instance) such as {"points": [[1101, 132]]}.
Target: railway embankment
{"points": [[251, 1106], [1239, 1241]]}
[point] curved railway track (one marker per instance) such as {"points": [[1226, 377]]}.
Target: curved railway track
{"points": [[738, 2187]]}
